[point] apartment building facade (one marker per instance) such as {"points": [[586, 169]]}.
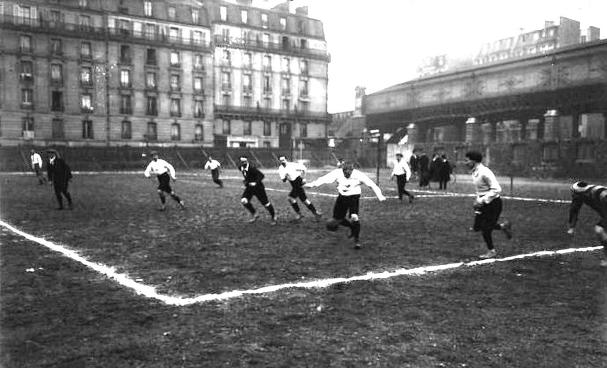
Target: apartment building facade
{"points": [[118, 72]]}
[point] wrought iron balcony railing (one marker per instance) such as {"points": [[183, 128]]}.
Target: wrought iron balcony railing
{"points": [[29, 24], [255, 44], [220, 108]]}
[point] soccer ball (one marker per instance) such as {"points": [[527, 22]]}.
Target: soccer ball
{"points": [[332, 225]]}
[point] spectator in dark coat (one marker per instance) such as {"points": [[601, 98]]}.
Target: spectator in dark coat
{"points": [[59, 174], [423, 168], [414, 162], [444, 173], [435, 166]]}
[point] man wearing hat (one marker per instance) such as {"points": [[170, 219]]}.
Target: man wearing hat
{"points": [[164, 173], [59, 174], [348, 187], [403, 173]]}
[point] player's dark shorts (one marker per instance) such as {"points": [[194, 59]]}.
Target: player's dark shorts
{"points": [[215, 174], [297, 189], [164, 183], [488, 216], [258, 191], [345, 204]]}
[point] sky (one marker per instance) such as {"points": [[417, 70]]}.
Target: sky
{"points": [[380, 43]]}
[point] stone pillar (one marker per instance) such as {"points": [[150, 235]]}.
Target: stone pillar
{"points": [[488, 130], [412, 133], [551, 125], [473, 131], [532, 129]]}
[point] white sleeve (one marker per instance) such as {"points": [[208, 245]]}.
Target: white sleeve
{"points": [[494, 187], [147, 170], [171, 170], [368, 182], [407, 171], [326, 179], [206, 166]]}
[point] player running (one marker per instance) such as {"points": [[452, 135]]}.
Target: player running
{"points": [[164, 172], [294, 173], [348, 186]]}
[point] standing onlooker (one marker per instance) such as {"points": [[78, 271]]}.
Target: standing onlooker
{"points": [[215, 168], [59, 173], [37, 166], [592, 195], [414, 162], [164, 173], [423, 168], [403, 173], [348, 186], [444, 172], [487, 204], [435, 165], [254, 187], [294, 172]]}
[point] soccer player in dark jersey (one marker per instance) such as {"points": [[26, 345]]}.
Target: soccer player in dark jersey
{"points": [[595, 196], [254, 187]]}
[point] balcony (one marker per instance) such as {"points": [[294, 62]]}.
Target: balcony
{"points": [[126, 110], [27, 105], [152, 112], [86, 109], [86, 83], [57, 108], [269, 113], [28, 134], [26, 77], [199, 91], [277, 47]]}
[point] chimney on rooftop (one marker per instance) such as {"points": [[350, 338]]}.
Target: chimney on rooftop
{"points": [[302, 10], [282, 7], [593, 34]]}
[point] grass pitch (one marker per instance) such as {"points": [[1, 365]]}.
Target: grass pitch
{"points": [[547, 312]]}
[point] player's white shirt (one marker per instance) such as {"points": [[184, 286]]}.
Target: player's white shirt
{"points": [[159, 167], [486, 184], [348, 186], [291, 171], [213, 164], [36, 159], [401, 167]]}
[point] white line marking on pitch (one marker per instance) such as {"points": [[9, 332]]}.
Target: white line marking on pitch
{"points": [[150, 291]]}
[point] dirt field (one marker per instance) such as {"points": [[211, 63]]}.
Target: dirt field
{"points": [[55, 312]]}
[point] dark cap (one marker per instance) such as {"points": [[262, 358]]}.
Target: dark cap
{"points": [[399, 155]]}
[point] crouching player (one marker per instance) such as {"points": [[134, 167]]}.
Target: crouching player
{"points": [[595, 196], [348, 187]]}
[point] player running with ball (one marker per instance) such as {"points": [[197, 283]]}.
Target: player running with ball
{"points": [[348, 186]]}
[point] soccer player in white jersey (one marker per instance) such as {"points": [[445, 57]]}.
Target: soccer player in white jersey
{"points": [[215, 167], [164, 172], [487, 204], [595, 196], [294, 173], [402, 172], [36, 160], [348, 186]]}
